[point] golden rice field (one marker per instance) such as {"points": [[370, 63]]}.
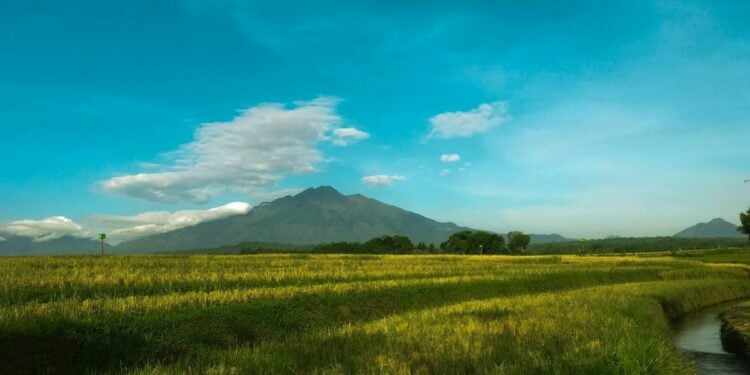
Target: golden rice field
{"points": [[344, 314]]}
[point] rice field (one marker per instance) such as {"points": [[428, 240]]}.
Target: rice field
{"points": [[343, 314]]}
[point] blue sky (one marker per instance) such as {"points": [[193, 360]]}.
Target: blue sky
{"points": [[582, 118]]}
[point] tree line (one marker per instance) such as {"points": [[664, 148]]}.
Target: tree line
{"points": [[515, 242], [465, 242]]}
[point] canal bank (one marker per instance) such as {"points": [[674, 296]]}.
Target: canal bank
{"points": [[735, 330], [698, 335]]}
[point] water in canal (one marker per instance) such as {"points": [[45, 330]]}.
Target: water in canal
{"points": [[698, 335]]}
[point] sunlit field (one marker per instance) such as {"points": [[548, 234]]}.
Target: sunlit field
{"points": [[335, 314]]}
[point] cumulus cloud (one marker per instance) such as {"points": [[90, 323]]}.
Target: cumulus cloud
{"points": [[466, 124], [45, 229], [450, 158], [124, 228], [253, 150], [345, 136], [382, 180], [445, 172]]}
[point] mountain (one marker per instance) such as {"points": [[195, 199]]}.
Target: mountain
{"points": [[20, 245], [548, 238], [713, 229], [316, 215]]}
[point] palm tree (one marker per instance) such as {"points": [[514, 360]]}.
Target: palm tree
{"points": [[102, 236]]}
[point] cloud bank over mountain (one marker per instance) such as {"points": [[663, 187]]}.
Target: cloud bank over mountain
{"points": [[124, 228], [44, 230]]}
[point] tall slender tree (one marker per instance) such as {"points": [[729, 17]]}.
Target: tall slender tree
{"points": [[102, 236]]}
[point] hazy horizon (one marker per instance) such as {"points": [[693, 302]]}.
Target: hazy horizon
{"points": [[619, 118]]}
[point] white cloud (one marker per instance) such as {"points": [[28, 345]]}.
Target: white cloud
{"points": [[124, 228], [253, 150], [450, 158], [344, 136], [466, 124], [45, 229], [147, 165], [2, 239], [445, 172], [381, 180]]}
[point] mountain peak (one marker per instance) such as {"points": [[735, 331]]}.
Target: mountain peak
{"points": [[327, 188], [316, 215], [717, 227], [320, 192]]}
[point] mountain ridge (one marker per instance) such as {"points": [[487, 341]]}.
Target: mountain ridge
{"points": [[315, 215]]}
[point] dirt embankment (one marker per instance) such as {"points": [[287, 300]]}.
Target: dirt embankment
{"points": [[735, 330]]}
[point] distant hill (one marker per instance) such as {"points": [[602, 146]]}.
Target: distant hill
{"points": [[316, 215], [548, 238], [713, 229], [19, 245], [636, 245]]}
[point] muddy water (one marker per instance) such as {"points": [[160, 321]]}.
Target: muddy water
{"points": [[698, 335]]}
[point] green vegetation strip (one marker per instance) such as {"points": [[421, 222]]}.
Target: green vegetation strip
{"points": [[717, 256]]}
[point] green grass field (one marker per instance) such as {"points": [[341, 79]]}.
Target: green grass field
{"points": [[335, 314], [717, 256]]}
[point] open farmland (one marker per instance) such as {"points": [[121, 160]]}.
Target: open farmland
{"points": [[353, 314]]}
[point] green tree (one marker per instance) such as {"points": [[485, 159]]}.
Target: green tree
{"points": [[102, 236], [489, 243], [432, 249], [468, 242], [389, 244], [518, 241], [377, 245], [457, 243], [745, 223], [476, 243]]}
